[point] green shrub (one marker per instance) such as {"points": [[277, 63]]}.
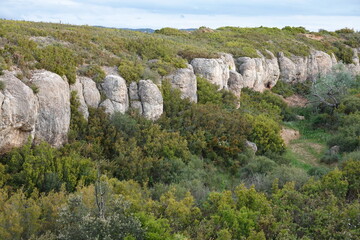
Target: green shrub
{"points": [[266, 134], [348, 134], [282, 88], [350, 104], [93, 71], [58, 59], [207, 92], [330, 158], [131, 71], [191, 53], [171, 32], [318, 171], [344, 53]]}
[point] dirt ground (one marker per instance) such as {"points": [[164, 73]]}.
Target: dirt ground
{"points": [[296, 101]]}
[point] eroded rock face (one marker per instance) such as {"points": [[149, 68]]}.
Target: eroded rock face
{"points": [[300, 69], [115, 89], [135, 102], [151, 99], [91, 93], [235, 83], [215, 71], [184, 79], [18, 113], [229, 60], [53, 121], [259, 73]]}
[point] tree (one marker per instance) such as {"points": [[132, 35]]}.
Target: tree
{"points": [[329, 89]]}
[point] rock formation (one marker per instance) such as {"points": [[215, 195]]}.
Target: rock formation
{"points": [[18, 113], [235, 83], [300, 69], [135, 102], [184, 79], [259, 73], [115, 90], [151, 99], [53, 121], [87, 93], [215, 71]]}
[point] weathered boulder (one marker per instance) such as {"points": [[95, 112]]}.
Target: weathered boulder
{"points": [[251, 145], [235, 83], [151, 99], [292, 70], [215, 71], [91, 93], [228, 60], [114, 87], [299, 69], [53, 121], [259, 73], [135, 102], [18, 113], [318, 63], [184, 79]]}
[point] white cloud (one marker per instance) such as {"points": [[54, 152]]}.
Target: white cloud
{"points": [[91, 13]]}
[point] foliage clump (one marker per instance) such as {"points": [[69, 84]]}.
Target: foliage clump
{"points": [[59, 60]]}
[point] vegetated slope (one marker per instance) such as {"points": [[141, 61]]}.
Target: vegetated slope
{"points": [[25, 43], [188, 174]]}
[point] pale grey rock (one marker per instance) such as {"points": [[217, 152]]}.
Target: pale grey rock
{"points": [[319, 63], [235, 83], [91, 93], [78, 88], [53, 121], [108, 106], [18, 113], [151, 99], [115, 89], [292, 70], [228, 60], [299, 69], [251, 145], [184, 79], [334, 150], [259, 73], [135, 102], [215, 71]]}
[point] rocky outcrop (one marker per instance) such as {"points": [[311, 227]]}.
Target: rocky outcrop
{"points": [[215, 71], [184, 79], [259, 73], [235, 83], [151, 99], [299, 69], [87, 93], [115, 90], [228, 60], [135, 102], [18, 113], [91, 93], [53, 121]]}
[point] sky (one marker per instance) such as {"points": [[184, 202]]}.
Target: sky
{"points": [[311, 14]]}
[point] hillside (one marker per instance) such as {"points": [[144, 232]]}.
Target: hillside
{"points": [[229, 133]]}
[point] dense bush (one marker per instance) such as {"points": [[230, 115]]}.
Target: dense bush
{"points": [[59, 60], [92, 71], [131, 71]]}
